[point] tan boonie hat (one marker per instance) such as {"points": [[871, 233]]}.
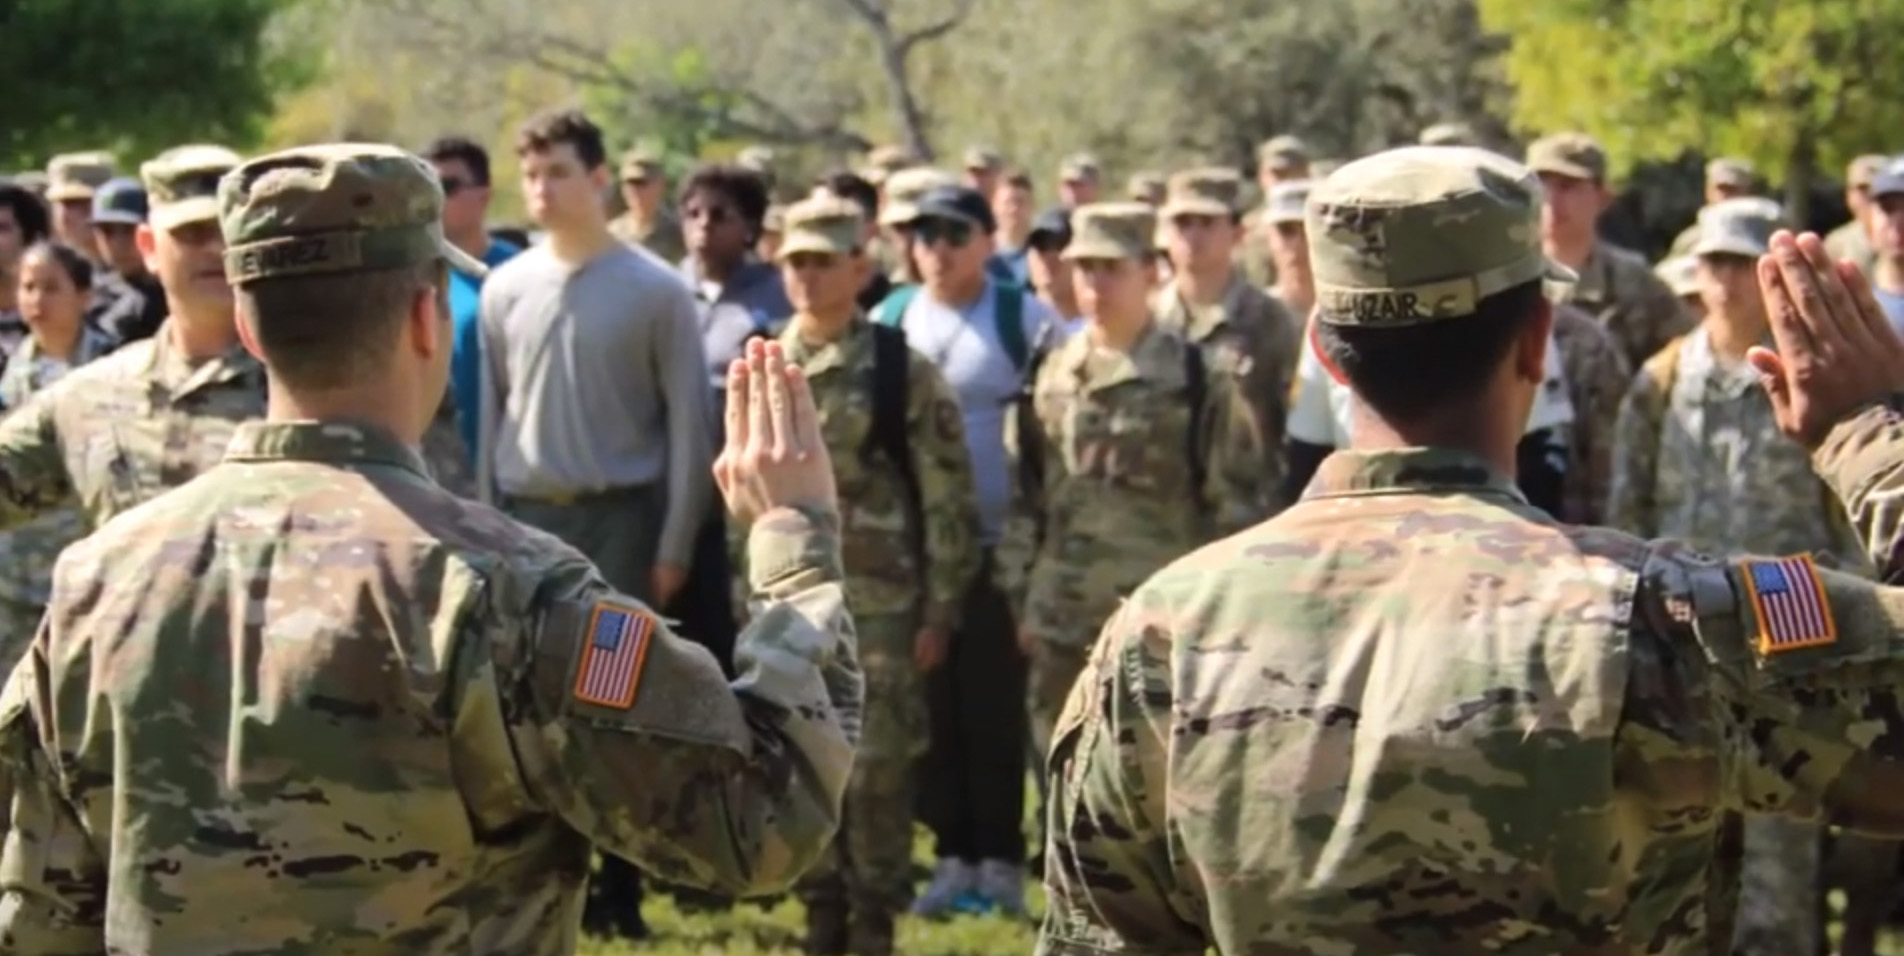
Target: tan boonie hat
{"points": [[1729, 171], [822, 224], [336, 208], [1283, 152], [1210, 191], [1859, 172], [640, 165], [903, 189], [1738, 227], [1571, 154], [1112, 230], [1146, 187], [1079, 167], [1681, 274], [1422, 234], [75, 176], [1286, 201], [181, 184], [984, 158], [1450, 134]]}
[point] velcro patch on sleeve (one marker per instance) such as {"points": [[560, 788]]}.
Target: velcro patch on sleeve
{"points": [[612, 658], [1788, 597]]}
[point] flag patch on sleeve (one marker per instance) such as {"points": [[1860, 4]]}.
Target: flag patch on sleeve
{"points": [[1789, 598], [617, 647]]}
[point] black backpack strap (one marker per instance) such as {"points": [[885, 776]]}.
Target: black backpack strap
{"points": [[1031, 449], [1196, 380], [887, 437]]}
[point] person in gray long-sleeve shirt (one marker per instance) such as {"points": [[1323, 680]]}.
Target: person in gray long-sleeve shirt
{"points": [[596, 421]]}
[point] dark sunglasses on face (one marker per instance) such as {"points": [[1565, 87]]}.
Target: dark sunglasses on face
{"points": [[453, 185], [950, 231]]}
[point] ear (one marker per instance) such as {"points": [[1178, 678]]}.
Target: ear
{"points": [[147, 242], [1530, 352], [247, 336], [429, 320]]}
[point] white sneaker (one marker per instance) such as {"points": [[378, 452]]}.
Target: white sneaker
{"points": [[1003, 884], [950, 880]]}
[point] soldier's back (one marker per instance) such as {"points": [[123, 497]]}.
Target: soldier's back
{"points": [[1401, 719], [296, 685]]}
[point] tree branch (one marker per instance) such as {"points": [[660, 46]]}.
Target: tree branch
{"points": [[936, 29]]}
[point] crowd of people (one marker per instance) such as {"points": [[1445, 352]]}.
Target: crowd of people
{"points": [[1028, 412]]}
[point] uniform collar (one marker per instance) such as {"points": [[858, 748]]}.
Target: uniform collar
{"points": [[333, 443], [170, 369], [1408, 471], [846, 351], [1201, 323]]}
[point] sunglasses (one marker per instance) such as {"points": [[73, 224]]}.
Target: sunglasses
{"points": [[949, 231], [453, 185]]}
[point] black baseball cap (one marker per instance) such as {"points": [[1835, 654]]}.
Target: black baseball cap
{"points": [[957, 203], [121, 200], [1053, 224]]}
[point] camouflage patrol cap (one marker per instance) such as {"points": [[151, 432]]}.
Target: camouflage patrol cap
{"points": [[1422, 234], [1450, 134], [1858, 172], [1681, 274], [1146, 187], [640, 165], [1286, 201], [903, 189], [1572, 154], [826, 224], [75, 176], [181, 184], [1210, 191], [1112, 230], [1731, 171], [336, 208], [1079, 168], [984, 158], [1282, 153], [1738, 227]]}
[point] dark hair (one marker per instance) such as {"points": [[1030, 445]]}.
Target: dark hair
{"points": [[460, 149], [323, 332], [847, 184], [547, 129], [1407, 373], [71, 261], [29, 211], [741, 186]]}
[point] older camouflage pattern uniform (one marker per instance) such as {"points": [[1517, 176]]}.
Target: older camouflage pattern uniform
{"points": [[1617, 287], [447, 454], [890, 596], [1850, 241], [27, 550], [1597, 377], [661, 235], [352, 701]]}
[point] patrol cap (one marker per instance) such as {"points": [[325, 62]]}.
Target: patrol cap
{"points": [[958, 203], [640, 165], [181, 184], [903, 189], [1572, 154], [1422, 234], [1112, 230], [1285, 201], [1080, 168], [1281, 153], [1859, 172], [984, 158], [1731, 171], [335, 208], [1889, 180], [1681, 274], [1738, 227], [826, 224], [121, 201], [75, 176], [1146, 187], [1450, 134], [1210, 191]]}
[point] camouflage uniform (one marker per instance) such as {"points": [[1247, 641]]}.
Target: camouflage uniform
{"points": [[1118, 496], [660, 235], [855, 892], [1596, 375], [394, 718], [1735, 174], [1412, 715], [27, 550], [1247, 322], [1851, 241], [1288, 159]]}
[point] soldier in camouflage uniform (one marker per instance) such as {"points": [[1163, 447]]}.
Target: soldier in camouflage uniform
{"points": [[1615, 285], [1279, 160], [910, 547], [1726, 178], [1210, 302], [1412, 715], [1853, 239], [394, 718], [1122, 464], [1147, 187], [1596, 375], [71, 180], [1699, 457], [649, 222]]}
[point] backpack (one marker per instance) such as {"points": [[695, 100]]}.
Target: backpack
{"points": [[1008, 305], [888, 437]]}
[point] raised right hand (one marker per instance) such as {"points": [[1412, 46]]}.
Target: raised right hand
{"points": [[774, 456]]}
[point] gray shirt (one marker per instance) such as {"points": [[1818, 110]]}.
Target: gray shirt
{"points": [[593, 379]]}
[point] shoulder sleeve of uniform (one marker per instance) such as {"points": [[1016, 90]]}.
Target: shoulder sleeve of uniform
{"points": [[1800, 670], [948, 497], [33, 476], [1862, 460], [1109, 882]]}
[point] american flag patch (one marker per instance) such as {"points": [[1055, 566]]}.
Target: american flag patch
{"points": [[611, 660], [1789, 598]]}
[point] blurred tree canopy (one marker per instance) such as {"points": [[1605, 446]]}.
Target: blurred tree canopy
{"points": [[137, 76]]}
